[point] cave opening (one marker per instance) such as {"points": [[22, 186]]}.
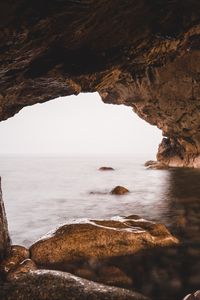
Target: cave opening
{"points": [[51, 175], [48, 147]]}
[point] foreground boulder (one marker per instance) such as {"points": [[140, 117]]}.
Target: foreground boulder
{"points": [[4, 235], [194, 296], [119, 190], [90, 241], [54, 285]]}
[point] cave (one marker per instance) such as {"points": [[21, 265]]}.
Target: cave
{"points": [[143, 54]]}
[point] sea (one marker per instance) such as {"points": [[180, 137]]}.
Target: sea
{"points": [[41, 192]]}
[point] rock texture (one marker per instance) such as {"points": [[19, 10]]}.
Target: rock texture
{"points": [[89, 241], [14, 257], [144, 54], [119, 190], [54, 285], [4, 235]]}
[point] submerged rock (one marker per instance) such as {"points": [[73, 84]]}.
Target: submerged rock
{"points": [[89, 241], [155, 165], [119, 190], [106, 169], [54, 285], [150, 163]]}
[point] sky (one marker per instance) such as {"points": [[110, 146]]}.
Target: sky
{"points": [[76, 125]]}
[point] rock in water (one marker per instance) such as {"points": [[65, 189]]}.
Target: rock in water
{"points": [[119, 190], [4, 235], [106, 169], [150, 163], [88, 240], [54, 285]]}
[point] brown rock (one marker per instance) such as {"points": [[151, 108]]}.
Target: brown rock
{"points": [[85, 273], [54, 285], [150, 163], [16, 255], [106, 169], [24, 267], [119, 190], [111, 275], [4, 235], [194, 296], [88, 240]]}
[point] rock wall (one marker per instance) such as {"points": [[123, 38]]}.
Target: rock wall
{"points": [[144, 54], [4, 236]]}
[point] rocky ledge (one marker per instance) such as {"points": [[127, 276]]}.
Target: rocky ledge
{"points": [[92, 240], [54, 285], [87, 249], [144, 54]]}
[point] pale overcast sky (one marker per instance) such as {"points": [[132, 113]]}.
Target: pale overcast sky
{"points": [[80, 124]]}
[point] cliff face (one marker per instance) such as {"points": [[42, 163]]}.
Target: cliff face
{"points": [[142, 53]]}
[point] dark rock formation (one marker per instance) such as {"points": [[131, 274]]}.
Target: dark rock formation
{"points": [[54, 285], [4, 236], [119, 190], [144, 54], [88, 241]]}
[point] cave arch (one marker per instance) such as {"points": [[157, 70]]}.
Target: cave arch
{"points": [[142, 54]]}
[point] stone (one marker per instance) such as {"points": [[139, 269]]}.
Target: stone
{"points": [[106, 169], [111, 275], [55, 285], [15, 256], [85, 273], [150, 163], [194, 296], [143, 54], [93, 240], [119, 190], [25, 266], [4, 235]]}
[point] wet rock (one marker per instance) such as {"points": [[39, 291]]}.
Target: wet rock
{"points": [[89, 241], [157, 166], [150, 163], [4, 235], [54, 285], [16, 255], [24, 267], [119, 190], [106, 169]]}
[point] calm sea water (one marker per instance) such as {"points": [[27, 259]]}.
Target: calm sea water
{"points": [[41, 192]]}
